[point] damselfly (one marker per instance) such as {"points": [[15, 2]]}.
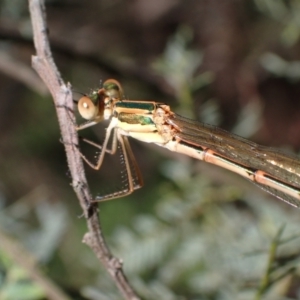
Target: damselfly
{"points": [[153, 122]]}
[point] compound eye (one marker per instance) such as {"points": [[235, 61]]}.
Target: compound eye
{"points": [[113, 89], [87, 109]]}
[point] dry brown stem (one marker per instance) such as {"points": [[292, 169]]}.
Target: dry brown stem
{"points": [[44, 65]]}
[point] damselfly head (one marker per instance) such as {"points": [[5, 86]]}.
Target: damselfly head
{"points": [[113, 89], [99, 104], [88, 107]]}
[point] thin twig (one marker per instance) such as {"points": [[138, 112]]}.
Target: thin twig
{"points": [[19, 71], [62, 96], [22, 257], [266, 281]]}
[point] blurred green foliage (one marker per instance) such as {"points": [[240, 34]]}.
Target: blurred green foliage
{"points": [[194, 231]]}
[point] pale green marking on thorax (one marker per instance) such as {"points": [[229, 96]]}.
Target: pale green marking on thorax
{"points": [[135, 119]]}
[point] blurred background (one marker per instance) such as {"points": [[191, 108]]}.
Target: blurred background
{"points": [[194, 231]]}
